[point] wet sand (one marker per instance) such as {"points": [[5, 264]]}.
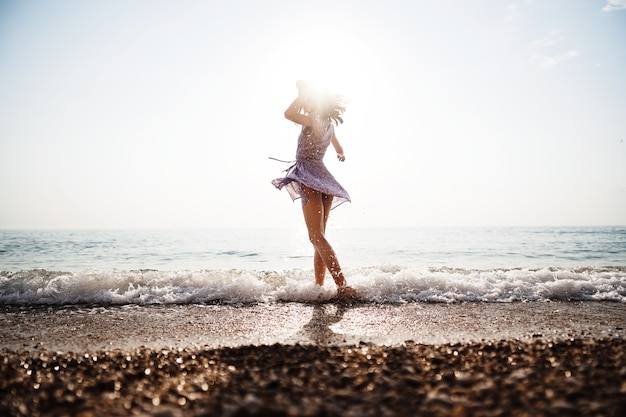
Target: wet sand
{"points": [[521, 359], [128, 327]]}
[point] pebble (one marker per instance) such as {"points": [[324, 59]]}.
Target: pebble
{"points": [[510, 377]]}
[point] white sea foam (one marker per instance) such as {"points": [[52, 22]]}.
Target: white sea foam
{"points": [[381, 284]]}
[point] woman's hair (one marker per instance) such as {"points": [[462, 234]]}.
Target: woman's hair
{"points": [[335, 108], [322, 102]]}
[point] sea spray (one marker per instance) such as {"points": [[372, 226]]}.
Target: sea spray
{"points": [[380, 284]]}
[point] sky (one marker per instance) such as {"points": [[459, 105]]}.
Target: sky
{"points": [[162, 114]]}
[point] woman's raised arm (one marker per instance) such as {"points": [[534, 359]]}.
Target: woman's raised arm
{"points": [[293, 112]]}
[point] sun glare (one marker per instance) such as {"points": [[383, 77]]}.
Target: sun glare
{"points": [[331, 57]]}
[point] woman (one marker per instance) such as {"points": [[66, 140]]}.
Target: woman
{"points": [[310, 180]]}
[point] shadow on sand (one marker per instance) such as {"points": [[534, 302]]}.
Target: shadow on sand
{"points": [[318, 329]]}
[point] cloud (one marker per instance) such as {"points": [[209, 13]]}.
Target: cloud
{"points": [[547, 62], [552, 38], [511, 13], [613, 5]]}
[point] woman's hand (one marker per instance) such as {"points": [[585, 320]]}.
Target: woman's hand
{"points": [[338, 148]]}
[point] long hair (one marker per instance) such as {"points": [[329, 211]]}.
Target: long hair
{"points": [[330, 106], [335, 107]]}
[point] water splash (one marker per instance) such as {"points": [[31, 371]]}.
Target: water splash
{"points": [[380, 284]]}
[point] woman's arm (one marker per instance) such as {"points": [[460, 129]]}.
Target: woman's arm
{"points": [[293, 112], [338, 148]]}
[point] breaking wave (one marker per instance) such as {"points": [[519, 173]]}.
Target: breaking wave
{"points": [[380, 284]]}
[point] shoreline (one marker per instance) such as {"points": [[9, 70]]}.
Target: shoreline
{"points": [[291, 359], [84, 328]]}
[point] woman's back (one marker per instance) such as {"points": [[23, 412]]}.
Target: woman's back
{"points": [[314, 140]]}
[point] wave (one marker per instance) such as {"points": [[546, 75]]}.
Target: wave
{"points": [[380, 284]]}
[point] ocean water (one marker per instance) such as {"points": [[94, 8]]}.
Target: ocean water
{"points": [[243, 266]]}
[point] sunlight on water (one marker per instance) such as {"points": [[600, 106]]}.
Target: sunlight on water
{"points": [[282, 249], [266, 265]]}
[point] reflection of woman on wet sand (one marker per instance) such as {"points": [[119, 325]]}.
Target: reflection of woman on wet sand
{"points": [[309, 179], [318, 328]]}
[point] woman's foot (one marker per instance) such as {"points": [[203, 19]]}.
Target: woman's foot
{"points": [[346, 292]]}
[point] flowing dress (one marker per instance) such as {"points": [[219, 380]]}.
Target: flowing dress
{"points": [[309, 168]]}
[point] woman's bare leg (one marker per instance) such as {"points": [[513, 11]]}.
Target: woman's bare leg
{"points": [[318, 263], [315, 221]]}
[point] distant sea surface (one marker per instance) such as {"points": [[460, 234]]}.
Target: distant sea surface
{"points": [[118, 267]]}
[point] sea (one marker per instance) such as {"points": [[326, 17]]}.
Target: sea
{"points": [[238, 266]]}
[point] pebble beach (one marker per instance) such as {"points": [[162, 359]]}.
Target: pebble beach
{"points": [[574, 377], [519, 359]]}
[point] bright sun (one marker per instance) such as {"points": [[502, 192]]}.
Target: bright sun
{"points": [[329, 56]]}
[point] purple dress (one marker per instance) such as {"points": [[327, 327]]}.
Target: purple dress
{"points": [[309, 168]]}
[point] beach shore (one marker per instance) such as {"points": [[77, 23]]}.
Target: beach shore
{"points": [[580, 377], [91, 328], [520, 359]]}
